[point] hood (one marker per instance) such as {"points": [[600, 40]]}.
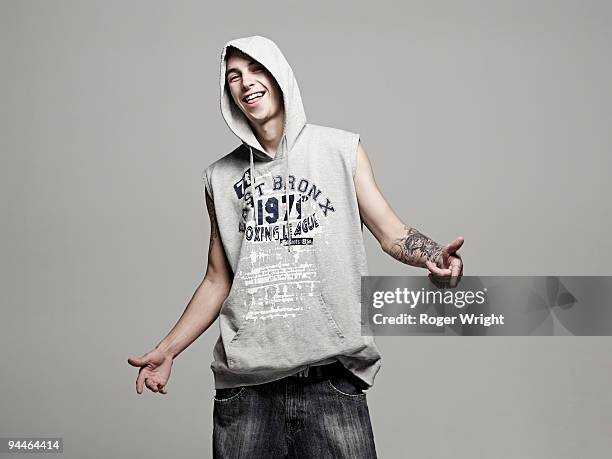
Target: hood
{"points": [[267, 53]]}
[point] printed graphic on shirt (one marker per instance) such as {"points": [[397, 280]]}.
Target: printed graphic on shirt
{"points": [[266, 198], [276, 283]]}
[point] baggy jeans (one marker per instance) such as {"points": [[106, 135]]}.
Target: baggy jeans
{"points": [[294, 417]]}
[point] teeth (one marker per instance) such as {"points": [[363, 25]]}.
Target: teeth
{"points": [[253, 96]]}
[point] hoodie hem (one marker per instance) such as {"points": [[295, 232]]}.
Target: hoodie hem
{"points": [[225, 379]]}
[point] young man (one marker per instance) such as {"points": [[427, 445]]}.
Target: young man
{"points": [[285, 261]]}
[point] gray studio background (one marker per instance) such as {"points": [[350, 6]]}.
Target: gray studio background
{"points": [[489, 120]]}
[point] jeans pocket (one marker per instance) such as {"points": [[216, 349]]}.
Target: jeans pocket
{"points": [[347, 387], [228, 394]]}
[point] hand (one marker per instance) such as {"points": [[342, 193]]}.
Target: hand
{"points": [[449, 264], [155, 367]]}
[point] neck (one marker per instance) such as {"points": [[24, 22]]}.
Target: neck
{"points": [[269, 133]]}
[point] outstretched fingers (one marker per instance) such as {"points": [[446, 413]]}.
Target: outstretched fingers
{"points": [[151, 384], [455, 245], [140, 382]]}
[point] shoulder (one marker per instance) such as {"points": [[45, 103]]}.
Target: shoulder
{"points": [[333, 134], [341, 141], [220, 166]]}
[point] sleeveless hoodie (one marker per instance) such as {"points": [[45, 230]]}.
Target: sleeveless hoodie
{"points": [[291, 230]]}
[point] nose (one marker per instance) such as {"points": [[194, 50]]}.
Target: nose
{"points": [[247, 80]]}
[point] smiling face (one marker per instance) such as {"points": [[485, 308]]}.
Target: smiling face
{"points": [[253, 88]]}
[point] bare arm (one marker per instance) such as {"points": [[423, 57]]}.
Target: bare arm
{"points": [[204, 306], [397, 239]]}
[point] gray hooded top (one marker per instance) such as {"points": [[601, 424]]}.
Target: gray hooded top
{"points": [[296, 251]]}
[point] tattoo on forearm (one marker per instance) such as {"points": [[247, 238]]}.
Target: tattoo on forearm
{"points": [[214, 229], [415, 249]]}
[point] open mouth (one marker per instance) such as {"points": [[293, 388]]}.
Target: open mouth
{"points": [[252, 98]]}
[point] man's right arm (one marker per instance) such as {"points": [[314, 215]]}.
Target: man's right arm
{"points": [[204, 306]]}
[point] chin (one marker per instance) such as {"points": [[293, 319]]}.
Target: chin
{"points": [[259, 117]]}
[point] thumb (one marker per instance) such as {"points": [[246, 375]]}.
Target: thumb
{"points": [[137, 362]]}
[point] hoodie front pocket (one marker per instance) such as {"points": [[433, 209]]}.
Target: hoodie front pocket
{"points": [[284, 336]]}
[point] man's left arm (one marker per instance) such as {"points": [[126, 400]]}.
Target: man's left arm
{"points": [[397, 239]]}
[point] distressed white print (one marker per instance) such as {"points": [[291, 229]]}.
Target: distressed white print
{"points": [[277, 290], [277, 281]]}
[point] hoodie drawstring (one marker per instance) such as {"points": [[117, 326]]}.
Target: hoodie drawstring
{"points": [[283, 146], [252, 178], [284, 141]]}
